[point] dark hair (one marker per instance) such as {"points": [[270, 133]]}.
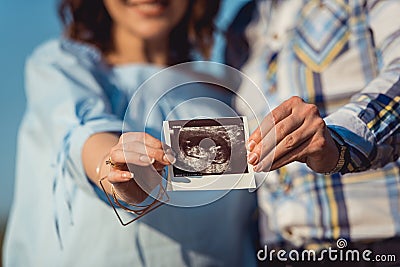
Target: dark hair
{"points": [[88, 21]]}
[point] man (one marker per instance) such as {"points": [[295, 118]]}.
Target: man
{"points": [[341, 59]]}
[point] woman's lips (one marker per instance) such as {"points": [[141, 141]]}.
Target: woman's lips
{"points": [[141, 2], [148, 7]]}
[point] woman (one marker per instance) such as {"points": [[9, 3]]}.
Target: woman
{"points": [[78, 89]]}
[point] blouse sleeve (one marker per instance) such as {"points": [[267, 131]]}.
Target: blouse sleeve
{"points": [[67, 105]]}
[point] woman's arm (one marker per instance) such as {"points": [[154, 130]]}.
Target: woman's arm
{"points": [[72, 115]]}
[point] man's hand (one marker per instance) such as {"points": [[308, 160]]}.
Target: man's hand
{"points": [[294, 131]]}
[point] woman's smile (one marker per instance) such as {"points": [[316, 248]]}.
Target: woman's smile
{"points": [[148, 7]]}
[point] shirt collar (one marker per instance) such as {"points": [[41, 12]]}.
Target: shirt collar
{"points": [[82, 50]]}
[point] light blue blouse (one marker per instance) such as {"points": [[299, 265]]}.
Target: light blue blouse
{"points": [[58, 219]]}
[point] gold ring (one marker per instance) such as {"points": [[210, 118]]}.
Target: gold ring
{"points": [[110, 162]]}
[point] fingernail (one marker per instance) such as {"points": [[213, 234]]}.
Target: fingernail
{"points": [[129, 175], [146, 159], [252, 158], [251, 145], [258, 167], [169, 158]]}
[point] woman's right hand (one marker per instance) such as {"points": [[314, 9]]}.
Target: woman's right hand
{"points": [[138, 160]]}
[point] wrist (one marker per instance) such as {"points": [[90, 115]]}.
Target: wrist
{"points": [[342, 148]]}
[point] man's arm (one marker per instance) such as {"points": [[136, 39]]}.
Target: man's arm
{"points": [[370, 123]]}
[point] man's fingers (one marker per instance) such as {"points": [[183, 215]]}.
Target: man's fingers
{"points": [[282, 130], [274, 117], [262, 149], [265, 126], [293, 140], [269, 164], [296, 154], [283, 150], [284, 161]]}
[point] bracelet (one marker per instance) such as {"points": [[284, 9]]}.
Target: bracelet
{"points": [[115, 199], [139, 208], [340, 144]]}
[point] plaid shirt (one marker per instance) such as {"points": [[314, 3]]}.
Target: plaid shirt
{"points": [[343, 56]]}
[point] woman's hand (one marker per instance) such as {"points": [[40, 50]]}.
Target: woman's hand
{"points": [[138, 160], [300, 134]]}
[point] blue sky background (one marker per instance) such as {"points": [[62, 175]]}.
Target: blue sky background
{"points": [[24, 25]]}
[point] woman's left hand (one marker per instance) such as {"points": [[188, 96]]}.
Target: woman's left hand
{"points": [[294, 131], [138, 161]]}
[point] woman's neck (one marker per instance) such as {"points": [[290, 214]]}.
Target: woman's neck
{"points": [[128, 48]]}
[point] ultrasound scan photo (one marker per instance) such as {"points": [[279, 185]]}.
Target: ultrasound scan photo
{"points": [[208, 147]]}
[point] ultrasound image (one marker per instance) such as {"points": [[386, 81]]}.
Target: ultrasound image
{"points": [[209, 147]]}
